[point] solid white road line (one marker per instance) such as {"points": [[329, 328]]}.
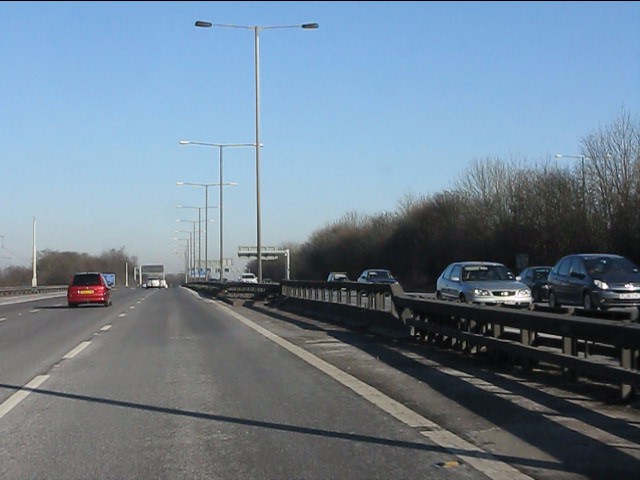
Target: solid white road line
{"points": [[21, 394], [477, 458]]}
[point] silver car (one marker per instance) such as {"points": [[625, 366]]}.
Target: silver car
{"points": [[482, 282], [337, 277], [248, 277]]}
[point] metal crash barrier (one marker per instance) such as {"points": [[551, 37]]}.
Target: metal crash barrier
{"points": [[6, 291], [602, 349], [607, 350]]}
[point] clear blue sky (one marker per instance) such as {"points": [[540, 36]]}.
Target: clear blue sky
{"points": [[384, 100]]}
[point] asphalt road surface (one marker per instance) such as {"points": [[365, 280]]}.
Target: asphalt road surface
{"points": [[165, 384]]}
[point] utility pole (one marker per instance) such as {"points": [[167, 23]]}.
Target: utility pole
{"points": [[34, 280]]}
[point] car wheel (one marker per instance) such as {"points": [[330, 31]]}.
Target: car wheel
{"points": [[462, 298], [73, 305], [553, 301], [438, 295], [587, 302]]}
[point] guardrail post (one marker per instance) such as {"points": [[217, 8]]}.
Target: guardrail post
{"points": [[627, 361], [421, 335], [463, 326], [569, 347], [497, 330], [525, 339]]}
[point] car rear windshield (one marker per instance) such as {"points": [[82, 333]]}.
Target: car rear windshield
{"points": [[541, 273], [380, 274], [86, 279]]}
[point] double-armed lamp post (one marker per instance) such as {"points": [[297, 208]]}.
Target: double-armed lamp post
{"points": [[187, 253], [220, 147], [199, 233], [256, 31]]}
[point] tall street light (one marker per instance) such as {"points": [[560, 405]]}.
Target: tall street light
{"points": [[206, 216], [199, 232], [581, 157], [220, 147], [193, 243], [199, 236], [187, 252], [256, 30]]}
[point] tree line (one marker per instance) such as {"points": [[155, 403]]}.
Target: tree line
{"points": [[498, 209], [56, 268]]}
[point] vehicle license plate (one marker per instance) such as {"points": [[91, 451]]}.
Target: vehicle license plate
{"points": [[630, 296], [86, 292]]}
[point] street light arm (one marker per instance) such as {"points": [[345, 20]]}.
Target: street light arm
{"points": [[206, 24], [581, 157], [199, 208], [180, 184], [220, 145]]}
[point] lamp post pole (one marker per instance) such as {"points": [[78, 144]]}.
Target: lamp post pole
{"points": [[194, 239], [199, 232], [206, 226], [34, 278], [220, 147], [584, 187], [186, 252], [256, 33]]}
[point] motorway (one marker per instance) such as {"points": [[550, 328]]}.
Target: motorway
{"points": [[165, 384]]}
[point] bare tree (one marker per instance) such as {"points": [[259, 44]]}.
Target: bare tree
{"points": [[613, 180]]}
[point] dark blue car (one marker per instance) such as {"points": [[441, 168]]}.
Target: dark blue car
{"points": [[594, 280]]}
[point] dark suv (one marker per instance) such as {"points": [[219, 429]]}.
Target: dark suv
{"points": [[594, 280]]}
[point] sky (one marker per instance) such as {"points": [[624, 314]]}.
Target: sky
{"points": [[383, 102]]}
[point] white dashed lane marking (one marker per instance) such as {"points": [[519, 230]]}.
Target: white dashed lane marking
{"points": [[11, 402], [76, 350]]}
